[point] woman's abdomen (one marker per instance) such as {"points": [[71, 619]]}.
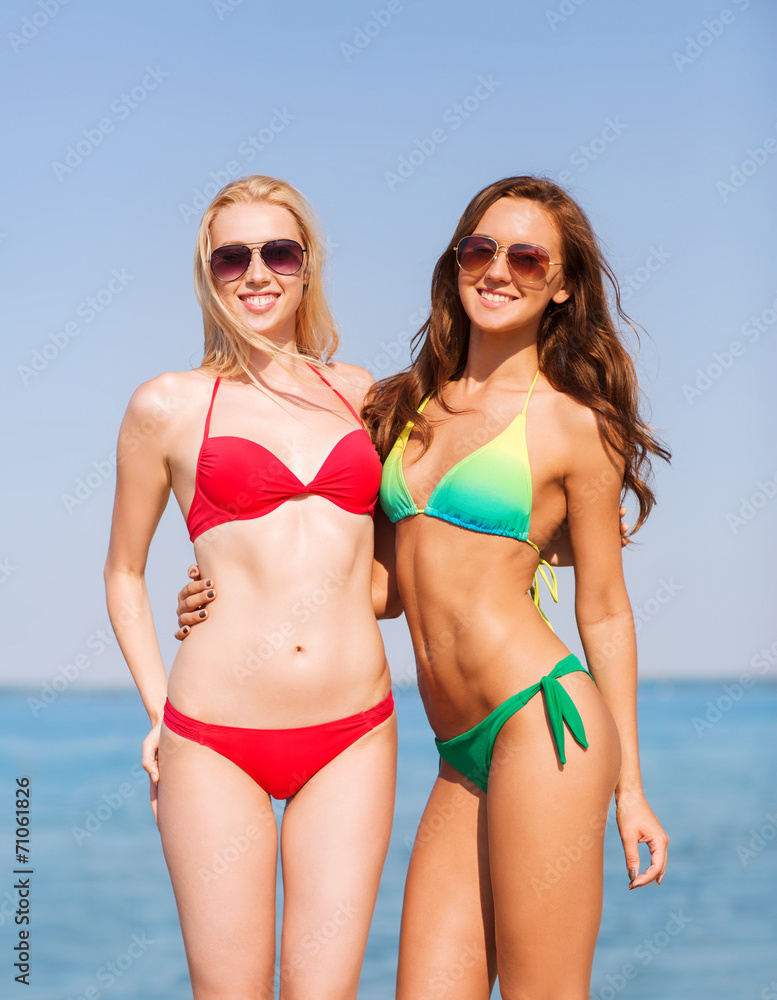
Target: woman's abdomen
{"points": [[477, 635], [291, 639]]}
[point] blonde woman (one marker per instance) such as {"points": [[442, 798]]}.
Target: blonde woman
{"points": [[286, 694]]}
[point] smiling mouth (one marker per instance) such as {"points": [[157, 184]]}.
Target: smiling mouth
{"points": [[494, 296], [258, 300]]}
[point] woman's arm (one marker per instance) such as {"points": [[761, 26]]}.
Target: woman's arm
{"points": [[385, 596], [593, 484], [142, 491], [558, 551], [386, 601]]}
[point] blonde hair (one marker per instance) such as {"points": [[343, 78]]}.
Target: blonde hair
{"points": [[227, 341]]}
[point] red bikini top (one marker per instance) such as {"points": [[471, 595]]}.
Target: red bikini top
{"points": [[238, 479]]}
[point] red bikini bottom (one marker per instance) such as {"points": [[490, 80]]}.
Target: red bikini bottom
{"points": [[280, 760]]}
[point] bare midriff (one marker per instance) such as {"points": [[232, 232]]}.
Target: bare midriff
{"points": [[477, 635], [292, 639]]}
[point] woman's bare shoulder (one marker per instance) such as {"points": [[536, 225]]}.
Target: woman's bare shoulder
{"points": [[585, 447], [171, 395], [572, 427], [352, 380], [352, 373], [577, 417]]}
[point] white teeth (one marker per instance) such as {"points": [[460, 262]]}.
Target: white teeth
{"points": [[493, 297], [260, 300]]}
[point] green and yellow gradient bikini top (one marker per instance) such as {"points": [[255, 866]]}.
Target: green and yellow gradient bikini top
{"points": [[489, 490]]}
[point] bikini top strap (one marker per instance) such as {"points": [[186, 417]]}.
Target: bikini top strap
{"points": [[210, 408], [424, 401], [407, 430], [327, 382], [552, 582], [531, 389]]}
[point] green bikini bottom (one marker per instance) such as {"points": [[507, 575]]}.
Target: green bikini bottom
{"points": [[471, 752]]}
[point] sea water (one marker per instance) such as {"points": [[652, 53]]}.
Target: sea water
{"points": [[103, 922]]}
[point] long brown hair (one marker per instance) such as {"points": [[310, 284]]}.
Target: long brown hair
{"points": [[228, 342], [578, 344]]}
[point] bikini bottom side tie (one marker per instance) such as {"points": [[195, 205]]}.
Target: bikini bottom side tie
{"points": [[470, 753]]}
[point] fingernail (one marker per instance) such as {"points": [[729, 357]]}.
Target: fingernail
{"points": [[185, 629], [203, 613], [210, 593], [632, 873], [209, 583]]}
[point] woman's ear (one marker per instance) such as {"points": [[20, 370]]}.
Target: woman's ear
{"points": [[561, 295]]}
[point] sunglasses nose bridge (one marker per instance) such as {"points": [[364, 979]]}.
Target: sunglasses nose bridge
{"points": [[497, 263], [254, 269]]}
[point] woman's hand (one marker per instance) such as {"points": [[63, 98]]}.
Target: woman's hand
{"points": [[558, 551], [191, 602], [625, 540], [151, 764], [638, 824]]}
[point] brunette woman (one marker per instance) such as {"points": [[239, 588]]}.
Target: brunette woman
{"points": [[519, 412]]}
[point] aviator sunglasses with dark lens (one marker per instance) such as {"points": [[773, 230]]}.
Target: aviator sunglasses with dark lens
{"points": [[281, 256], [526, 260]]}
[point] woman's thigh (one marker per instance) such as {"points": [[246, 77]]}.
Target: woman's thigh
{"points": [[446, 946], [546, 830], [334, 838], [220, 841]]}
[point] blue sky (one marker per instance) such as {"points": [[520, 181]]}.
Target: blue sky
{"points": [[389, 117]]}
